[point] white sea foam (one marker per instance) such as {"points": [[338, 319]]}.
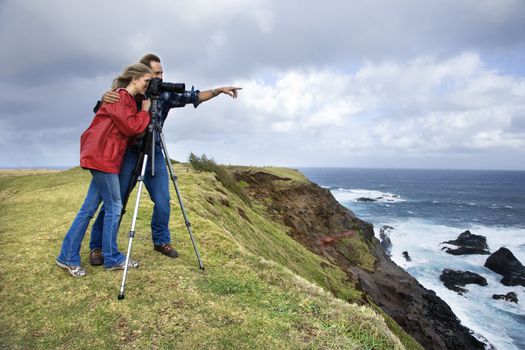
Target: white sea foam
{"points": [[497, 320], [344, 195]]}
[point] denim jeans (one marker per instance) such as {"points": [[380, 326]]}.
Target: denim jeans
{"points": [[103, 187], [158, 189]]}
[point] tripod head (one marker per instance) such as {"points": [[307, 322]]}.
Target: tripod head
{"points": [[155, 88]]}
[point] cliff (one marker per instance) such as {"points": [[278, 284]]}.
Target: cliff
{"points": [[321, 224], [291, 269]]}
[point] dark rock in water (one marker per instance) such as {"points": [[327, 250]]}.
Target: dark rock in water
{"points": [[454, 280], [513, 280], [469, 240], [505, 263], [384, 232], [387, 246], [385, 241], [467, 251], [406, 256], [365, 199], [510, 296], [469, 244]]}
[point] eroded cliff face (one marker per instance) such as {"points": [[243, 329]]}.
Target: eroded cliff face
{"points": [[320, 223]]}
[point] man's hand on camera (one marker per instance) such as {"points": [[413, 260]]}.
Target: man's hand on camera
{"points": [[110, 97], [146, 104]]}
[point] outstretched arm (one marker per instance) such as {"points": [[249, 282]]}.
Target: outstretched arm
{"points": [[209, 94]]}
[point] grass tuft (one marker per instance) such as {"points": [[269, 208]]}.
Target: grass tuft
{"points": [[224, 176]]}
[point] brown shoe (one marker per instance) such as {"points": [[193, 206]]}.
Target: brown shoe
{"points": [[96, 258], [167, 250]]}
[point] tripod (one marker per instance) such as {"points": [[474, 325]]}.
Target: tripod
{"points": [[148, 148]]}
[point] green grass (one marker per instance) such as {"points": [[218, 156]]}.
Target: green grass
{"points": [[222, 173], [285, 173], [259, 289]]}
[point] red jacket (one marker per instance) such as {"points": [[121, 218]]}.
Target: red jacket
{"points": [[103, 144]]}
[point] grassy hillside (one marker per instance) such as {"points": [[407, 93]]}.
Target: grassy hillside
{"points": [[260, 288]]}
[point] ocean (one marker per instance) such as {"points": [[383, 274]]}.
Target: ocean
{"points": [[428, 207]]}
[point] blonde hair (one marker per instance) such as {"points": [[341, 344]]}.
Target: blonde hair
{"points": [[131, 72]]}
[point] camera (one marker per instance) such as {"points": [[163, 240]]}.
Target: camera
{"points": [[156, 86]]}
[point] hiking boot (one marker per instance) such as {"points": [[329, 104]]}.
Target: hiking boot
{"points": [[132, 264], [167, 250], [96, 258], [75, 271]]}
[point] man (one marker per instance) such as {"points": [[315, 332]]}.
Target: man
{"points": [[158, 185]]}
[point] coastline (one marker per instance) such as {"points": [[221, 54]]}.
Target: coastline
{"points": [[420, 230], [324, 226]]}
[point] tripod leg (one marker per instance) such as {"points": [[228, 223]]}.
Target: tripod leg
{"points": [[154, 138], [132, 231], [174, 179], [133, 182]]}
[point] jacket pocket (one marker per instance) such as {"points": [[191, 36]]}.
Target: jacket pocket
{"points": [[110, 151]]}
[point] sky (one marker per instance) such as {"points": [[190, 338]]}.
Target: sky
{"points": [[381, 84]]}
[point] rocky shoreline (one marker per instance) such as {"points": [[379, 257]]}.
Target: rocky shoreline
{"points": [[324, 226], [502, 262]]}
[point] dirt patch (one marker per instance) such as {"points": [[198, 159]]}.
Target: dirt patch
{"points": [[242, 213]]}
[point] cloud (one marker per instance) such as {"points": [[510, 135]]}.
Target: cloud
{"points": [[424, 106], [353, 83]]}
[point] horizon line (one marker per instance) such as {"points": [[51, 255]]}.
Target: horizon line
{"points": [[288, 166]]}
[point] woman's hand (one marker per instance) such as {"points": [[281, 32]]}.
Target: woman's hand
{"points": [[146, 104]]}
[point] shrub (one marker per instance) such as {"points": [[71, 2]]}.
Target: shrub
{"points": [[222, 174]]}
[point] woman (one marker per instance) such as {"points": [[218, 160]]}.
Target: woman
{"points": [[102, 148]]}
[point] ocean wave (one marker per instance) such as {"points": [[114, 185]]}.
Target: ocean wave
{"points": [[364, 195], [499, 321]]}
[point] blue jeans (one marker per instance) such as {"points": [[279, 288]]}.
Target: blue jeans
{"points": [[158, 189], [103, 187]]}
